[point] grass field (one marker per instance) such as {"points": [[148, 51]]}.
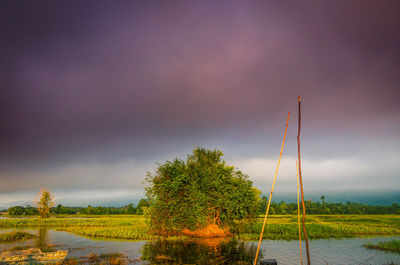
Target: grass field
{"points": [[15, 236], [278, 226], [392, 246], [323, 226]]}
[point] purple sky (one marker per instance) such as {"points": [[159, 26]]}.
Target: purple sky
{"points": [[93, 93]]}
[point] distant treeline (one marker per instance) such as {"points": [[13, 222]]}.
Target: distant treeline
{"points": [[276, 208], [327, 208], [60, 209]]}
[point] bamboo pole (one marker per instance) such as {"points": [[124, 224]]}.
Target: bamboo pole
{"points": [[298, 212], [272, 190], [301, 186]]}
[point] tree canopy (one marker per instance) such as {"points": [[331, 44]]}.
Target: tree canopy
{"points": [[197, 192]]}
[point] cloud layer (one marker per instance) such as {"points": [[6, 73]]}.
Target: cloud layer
{"points": [[94, 93]]}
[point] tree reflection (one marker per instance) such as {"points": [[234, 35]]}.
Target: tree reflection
{"points": [[41, 242], [201, 251]]}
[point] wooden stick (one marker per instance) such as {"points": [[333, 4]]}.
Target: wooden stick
{"points": [[272, 190], [301, 186], [298, 212]]}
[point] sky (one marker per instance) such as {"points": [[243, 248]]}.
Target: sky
{"points": [[95, 93]]}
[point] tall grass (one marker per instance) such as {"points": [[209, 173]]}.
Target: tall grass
{"points": [[138, 232], [15, 236], [278, 226], [393, 246], [68, 222], [326, 226]]}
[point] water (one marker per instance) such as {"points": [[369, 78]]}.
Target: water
{"points": [[330, 251], [214, 251]]}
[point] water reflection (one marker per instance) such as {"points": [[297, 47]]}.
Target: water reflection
{"points": [[211, 250], [204, 251], [42, 239]]}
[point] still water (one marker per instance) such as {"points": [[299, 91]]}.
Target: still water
{"points": [[213, 251]]}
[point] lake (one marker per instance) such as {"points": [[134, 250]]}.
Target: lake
{"points": [[213, 251]]}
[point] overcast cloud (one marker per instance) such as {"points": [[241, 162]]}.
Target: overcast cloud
{"points": [[94, 93]]}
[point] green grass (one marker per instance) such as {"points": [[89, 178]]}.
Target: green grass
{"points": [[86, 221], [324, 226], [393, 246], [138, 232], [15, 236], [278, 226]]}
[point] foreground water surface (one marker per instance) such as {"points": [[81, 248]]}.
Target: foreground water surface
{"points": [[212, 251]]}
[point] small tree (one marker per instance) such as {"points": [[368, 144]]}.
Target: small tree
{"points": [[16, 210], [262, 208], [142, 204], [200, 191], [323, 200], [130, 209], [44, 204]]}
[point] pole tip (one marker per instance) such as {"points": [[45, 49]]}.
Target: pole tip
{"points": [[299, 98]]}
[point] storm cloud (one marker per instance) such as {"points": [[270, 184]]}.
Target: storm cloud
{"points": [[94, 93]]}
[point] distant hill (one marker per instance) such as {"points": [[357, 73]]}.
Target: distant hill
{"points": [[384, 198], [15, 203], [78, 202]]}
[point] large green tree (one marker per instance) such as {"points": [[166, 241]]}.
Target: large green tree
{"points": [[197, 192]]}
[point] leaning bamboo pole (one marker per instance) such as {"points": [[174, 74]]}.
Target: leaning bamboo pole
{"points": [[272, 190], [301, 186], [298, 212]]}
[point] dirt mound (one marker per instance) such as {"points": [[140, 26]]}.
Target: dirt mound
{"points": [[211, 230]]}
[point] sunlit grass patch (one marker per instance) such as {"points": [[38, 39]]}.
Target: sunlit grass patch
{"points": [[326, 226], [15, 236], [393, 246], [68, 222], [123, 232], [278, 226]]}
